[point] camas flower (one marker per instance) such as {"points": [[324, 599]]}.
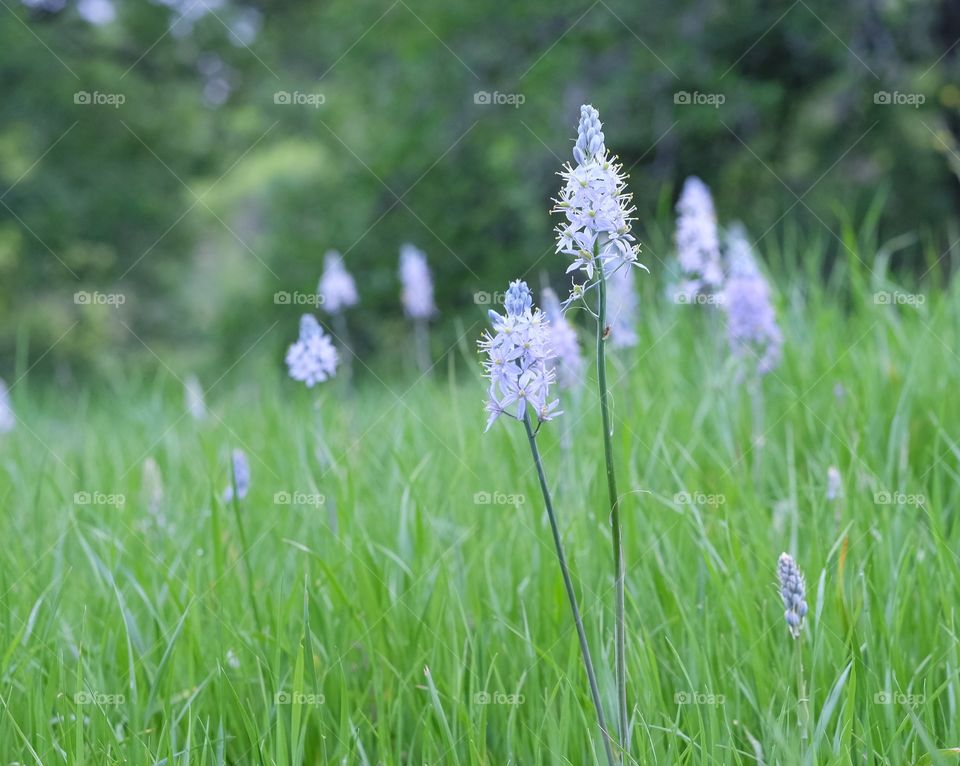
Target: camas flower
{"points": [[313, 358], [193, 398], [751, 321], [518, 355], [595, 205], [7, 419], [622, 309], [337, 289], [834, 483], [240, 476], [698, 243], [417, 284], [793, 593], [568, 361]]}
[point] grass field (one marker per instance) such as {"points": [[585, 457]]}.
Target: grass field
{"points": [[398, 617]]}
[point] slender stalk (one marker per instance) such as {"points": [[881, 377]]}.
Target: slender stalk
{"points": [[571, 595], [422, 341], [620, 629], [246, 561]]}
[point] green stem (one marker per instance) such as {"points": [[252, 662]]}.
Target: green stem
{"points": [[620, 634], [571, 595], [244, 556]]}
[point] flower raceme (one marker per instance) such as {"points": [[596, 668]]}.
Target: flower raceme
{"points": [[596, 206], [240, 476], [417, 284], [698, 243], [518, 363], [313, 358], [337, 290], [563, 341], [793, 593]]}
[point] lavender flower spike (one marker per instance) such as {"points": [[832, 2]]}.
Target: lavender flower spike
{"points": [[337, 290], [698, 243], [313, 358], [793, 593], [7, 419], [622, 309], [240, 476], [834, 483], [518, 355], [563, 340], [417, 284]]}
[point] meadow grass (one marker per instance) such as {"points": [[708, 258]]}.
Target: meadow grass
{"points": [[407, 621]]}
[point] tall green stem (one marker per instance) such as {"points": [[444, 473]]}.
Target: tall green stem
{"points": [[244, 555], [571, 595], [620, 634]]}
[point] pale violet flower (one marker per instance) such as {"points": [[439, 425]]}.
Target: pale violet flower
{"points": [[793, 593], [337, 290], [239, 476], [563, 341], [834, 483], [622, 309], [518, 360], [698, 241], [7, 419], [417, 283], [751, 321], [595, 205], [193, 398], [313, 358]]}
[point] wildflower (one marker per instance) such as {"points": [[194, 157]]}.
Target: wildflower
{"points": [[698, 244], [751, 321], [563, 340], [417, 284], [7, 419], [240, 476], [622, 309], [834, 483], [312, 359], [336, 290], [793, 593], [233, 661], [595, 204], [193, 396], [518, 355]]}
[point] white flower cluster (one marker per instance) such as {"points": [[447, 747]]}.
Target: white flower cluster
{"points": [[313, 358], [337, 290], [563, 341], [7, 419], [417, 284], [698, 243]]}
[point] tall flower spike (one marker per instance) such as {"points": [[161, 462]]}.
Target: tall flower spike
{"points": [[240, 476], [751, 321], [7, 419], [793, 593], [595, 204], [622, 309], [193, 398], [417, 284], [834, 483], [313, 358], [698, 243], [563, 340], [518, 360], [336, 290]]}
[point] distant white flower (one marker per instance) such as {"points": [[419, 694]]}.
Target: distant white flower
{"points": [[622, 309], [751, 321], [595, 204], [417, 283], [313, 358], [698, 243], [563, 341], [193, 398], [517, 365], [834, 483], [7, 419], [337, 289], [240, 475], [233, 661]]}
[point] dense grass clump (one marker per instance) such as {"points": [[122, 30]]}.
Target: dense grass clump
{"points": [[411, 605]]}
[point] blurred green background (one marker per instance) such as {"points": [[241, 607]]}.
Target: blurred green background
{"points": [[198, 156]]}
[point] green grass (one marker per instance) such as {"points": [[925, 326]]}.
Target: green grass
{"points": [[393, 607]]}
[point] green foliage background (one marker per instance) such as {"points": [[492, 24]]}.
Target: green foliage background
{"points": [[200, 197]]}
